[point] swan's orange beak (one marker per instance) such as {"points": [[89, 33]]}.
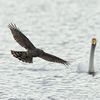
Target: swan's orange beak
{"points": [[94, 41]]}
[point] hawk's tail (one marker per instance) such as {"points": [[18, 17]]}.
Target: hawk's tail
{"points": [[21, 55]]}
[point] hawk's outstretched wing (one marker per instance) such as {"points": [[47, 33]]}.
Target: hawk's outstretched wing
{"points": [[53, 58], [20, 37]]}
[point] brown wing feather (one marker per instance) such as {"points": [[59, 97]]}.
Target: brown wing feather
{"points": [[53, 58], [21, 55], [20, 37]]}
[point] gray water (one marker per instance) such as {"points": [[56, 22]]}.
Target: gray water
{"points": [[64, 28]]}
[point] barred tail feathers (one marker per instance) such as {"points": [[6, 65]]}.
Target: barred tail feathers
{"points": [[21, 55]]}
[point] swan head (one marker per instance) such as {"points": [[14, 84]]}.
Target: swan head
{"points": [[94, 41]]}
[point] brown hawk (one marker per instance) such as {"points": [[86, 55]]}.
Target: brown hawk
{"points": [[32, 51]]}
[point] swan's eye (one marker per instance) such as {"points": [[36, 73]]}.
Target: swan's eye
{"points": [[93, 41]]}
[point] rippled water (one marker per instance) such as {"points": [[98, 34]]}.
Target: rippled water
{"points": [[61, 27]]}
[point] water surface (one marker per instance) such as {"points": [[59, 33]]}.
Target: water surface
{"points": [[64, 28]]}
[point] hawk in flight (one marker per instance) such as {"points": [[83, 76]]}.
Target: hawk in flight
{"points": [[32, 51]]}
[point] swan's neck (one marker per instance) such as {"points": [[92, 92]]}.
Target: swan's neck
{"points": [[91, 64]]}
